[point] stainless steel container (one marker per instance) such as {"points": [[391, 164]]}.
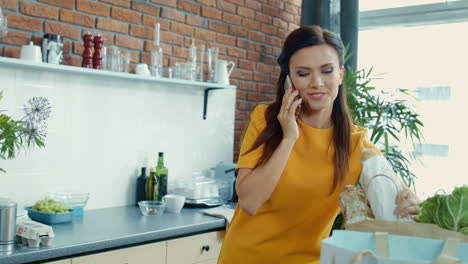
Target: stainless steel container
{"points": [[7, 224]]}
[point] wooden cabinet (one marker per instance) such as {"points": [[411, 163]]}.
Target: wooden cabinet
{"points": [[199, 249], [154, 253], [202, 249], [64, 261]]}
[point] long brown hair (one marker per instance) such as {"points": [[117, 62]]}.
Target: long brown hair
{"points": [[272, 135]]}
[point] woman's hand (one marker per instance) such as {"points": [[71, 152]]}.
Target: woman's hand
{"points": [[287, 114], [407, 203]]}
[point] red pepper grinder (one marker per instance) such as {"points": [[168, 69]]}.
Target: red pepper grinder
{"points": [[88, 51], [97, 57]]}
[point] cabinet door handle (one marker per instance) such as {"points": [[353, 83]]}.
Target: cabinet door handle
{"points": [[206, 248]]}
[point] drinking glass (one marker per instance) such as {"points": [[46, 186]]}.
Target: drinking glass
{"points": [[200, 61], [213, 54], [3, 25], [156, 62], [113, 59], [124, 61]]}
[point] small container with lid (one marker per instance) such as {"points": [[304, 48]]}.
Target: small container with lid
{"points": [[7, 224]]}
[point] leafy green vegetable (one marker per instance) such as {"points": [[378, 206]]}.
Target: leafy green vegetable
{"points": [[447, 211]]}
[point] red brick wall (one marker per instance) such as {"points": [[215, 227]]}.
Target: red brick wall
{"points": [[248, 32]]}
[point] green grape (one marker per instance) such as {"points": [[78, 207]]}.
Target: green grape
{"points": [[50, 206]]}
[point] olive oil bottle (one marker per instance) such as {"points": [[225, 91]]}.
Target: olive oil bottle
{"points": [[150, 181], [161, 173]]}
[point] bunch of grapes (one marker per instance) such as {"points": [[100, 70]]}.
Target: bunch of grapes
{"points": [[50, 206]]}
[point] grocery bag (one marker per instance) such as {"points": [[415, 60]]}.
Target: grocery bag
{"points": [[352, 247], [406, 229]]}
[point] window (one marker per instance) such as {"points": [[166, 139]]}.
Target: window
{"points": [[429, 60], [381, 4]]}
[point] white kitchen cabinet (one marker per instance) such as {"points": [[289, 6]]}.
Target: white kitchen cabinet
{"points": [[202, 249], [154, 253], [64, 261]]}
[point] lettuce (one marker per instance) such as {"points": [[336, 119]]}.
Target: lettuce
{"points": [[447, 211]]}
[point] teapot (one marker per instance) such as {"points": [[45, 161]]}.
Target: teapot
{"points": [[222, 73]]}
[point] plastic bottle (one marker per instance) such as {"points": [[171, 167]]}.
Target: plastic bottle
{"points": [[141, 186]]}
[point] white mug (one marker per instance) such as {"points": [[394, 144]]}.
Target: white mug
{"points": [[174, 202], [142, 69], [31, 53]]}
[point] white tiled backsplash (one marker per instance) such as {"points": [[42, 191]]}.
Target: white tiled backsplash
{"points": [[102, 130]]}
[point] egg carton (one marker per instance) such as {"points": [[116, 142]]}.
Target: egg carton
{"points": [[33, 234]]}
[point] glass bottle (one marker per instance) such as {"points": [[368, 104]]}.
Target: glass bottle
{"points": [[161, 173], [141, 186], [150, 184]]}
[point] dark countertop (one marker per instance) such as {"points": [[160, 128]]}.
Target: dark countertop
{"points": [[116, 227]]}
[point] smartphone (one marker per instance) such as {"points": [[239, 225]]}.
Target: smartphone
{"points": [[288, 85]]}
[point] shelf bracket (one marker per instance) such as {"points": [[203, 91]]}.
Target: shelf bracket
{"points": [[205, 101]]}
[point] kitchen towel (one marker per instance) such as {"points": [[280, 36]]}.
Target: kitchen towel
{"points": [[223, 211]]}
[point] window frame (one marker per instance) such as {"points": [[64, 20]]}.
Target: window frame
{"points": [[418, 15]]}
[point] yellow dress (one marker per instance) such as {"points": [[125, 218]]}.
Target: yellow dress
{"points": [[290, 226]]}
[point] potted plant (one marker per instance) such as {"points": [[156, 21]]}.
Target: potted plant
{"points": [[24, 133], [386, 120]]}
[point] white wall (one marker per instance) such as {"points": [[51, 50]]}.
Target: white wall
{"points": [[103, 129]]}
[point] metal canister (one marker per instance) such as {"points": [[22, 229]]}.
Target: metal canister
{"points": [[7, 224]]}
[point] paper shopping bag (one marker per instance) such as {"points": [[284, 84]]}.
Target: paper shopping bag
{"points": [[407, 229], [343, 247]]}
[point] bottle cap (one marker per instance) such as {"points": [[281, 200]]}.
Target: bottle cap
{"points": [[160, 154]]}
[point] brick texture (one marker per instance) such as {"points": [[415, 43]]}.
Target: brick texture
{"points": [[9, 4], [172, 14], [142, 32], [12, 52], [129, 42], [16, 37], [76, 18], [65, 30], [226, 6], [125, 15], [24, 22], [248, 32], [93, 7], [112, 25], [172, 3], [146, 8], [189, 6], [122, 3], [38, 10], [70, 4]]}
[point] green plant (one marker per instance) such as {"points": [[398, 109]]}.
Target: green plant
{"points": [[27, 132], [387, 119]]}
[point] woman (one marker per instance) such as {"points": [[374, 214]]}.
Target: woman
{"points": [[297, 154]]}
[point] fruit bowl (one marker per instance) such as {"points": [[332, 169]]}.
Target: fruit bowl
{"points": [[49, 218]]}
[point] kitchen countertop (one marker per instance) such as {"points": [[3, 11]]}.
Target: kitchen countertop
{"points": [[116, 227]]}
